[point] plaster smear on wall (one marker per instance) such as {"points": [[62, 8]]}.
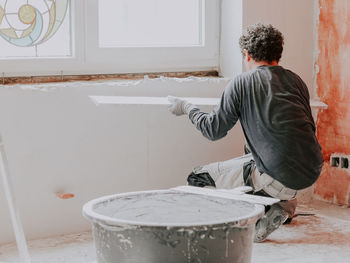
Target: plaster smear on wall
{"points": [[333, 81], [113, 83]]}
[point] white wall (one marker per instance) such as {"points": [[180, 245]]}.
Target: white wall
{"points": [[58, 140], [295, 19], [231, 30]]}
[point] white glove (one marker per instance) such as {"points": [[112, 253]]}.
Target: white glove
{"points": [[179, 106]]}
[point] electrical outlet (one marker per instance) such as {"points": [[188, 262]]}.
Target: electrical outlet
{"points": [[335, 161], [340, 161], [344, 162]]}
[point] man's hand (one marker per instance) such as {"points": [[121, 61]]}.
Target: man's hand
{"points": [[179, 106]]}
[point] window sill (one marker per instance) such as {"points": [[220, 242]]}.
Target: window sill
{"points": [[130, 76]]}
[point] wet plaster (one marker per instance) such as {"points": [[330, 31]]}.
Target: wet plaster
{"points": [[171, 208], [333, 87]]}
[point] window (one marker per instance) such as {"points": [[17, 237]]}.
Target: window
{"points": [[152, 23], [108, 36], [34, 28]]}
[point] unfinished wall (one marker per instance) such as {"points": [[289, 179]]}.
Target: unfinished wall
{"points": [[57, 140], [333, 80]]}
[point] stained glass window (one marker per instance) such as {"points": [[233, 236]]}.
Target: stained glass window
{"points": [[35, 28]]}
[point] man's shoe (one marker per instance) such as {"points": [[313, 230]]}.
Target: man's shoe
{"points": [[275, 217]]}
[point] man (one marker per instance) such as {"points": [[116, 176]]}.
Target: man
{"points": [[272, 105]]}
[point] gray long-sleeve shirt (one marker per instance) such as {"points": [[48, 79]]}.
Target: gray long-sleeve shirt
{"points": [[272, 104]]}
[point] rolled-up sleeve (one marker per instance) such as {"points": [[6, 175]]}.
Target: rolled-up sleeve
{"points": [[216, 124]]}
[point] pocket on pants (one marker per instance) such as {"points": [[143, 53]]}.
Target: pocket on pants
{"points": [[200, 180]]}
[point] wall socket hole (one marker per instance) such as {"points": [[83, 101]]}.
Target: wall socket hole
{"points": [[335, 161], [344, 163]]}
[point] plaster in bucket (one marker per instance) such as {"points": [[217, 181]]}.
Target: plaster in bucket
{"points": [[172, 226]]}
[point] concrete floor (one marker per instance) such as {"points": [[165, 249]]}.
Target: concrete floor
{"points": [[322, 237]]}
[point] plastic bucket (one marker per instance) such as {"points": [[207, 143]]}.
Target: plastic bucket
{"points": [[170, 226]]}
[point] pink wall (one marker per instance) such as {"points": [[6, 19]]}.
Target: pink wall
{"points": [[333, 80]]}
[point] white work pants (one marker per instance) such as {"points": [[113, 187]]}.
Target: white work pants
{"points": [[229, 174]]}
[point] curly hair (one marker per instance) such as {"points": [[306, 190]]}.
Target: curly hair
{"points": [[263, 43]]}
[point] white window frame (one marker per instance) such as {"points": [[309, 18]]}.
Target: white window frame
{"points": [[88, 58]]}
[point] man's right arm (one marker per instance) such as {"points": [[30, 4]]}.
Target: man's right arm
{"points": [[216, 124]]}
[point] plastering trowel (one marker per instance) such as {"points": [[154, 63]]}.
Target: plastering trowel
{"points": [[239, 193]]}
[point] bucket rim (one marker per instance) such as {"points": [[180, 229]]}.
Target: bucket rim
{"points": [[94, 217]]}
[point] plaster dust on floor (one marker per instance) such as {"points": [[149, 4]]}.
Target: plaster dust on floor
{"points": [[73, 248], [323, 237]]}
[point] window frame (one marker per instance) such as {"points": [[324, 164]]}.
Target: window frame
{"points": [[51, 65], [88, 58]]}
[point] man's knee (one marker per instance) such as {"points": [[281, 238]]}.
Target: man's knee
{"points": [[200, 180]]}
